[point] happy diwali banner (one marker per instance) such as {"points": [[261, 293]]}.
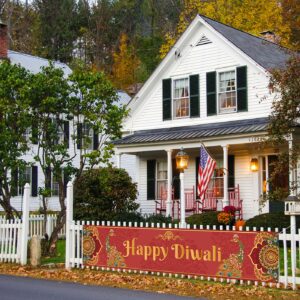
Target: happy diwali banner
{"points": [[212, 253]]}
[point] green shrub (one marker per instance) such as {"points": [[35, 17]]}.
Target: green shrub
{"points": [[273, 220], [207, 218], [158, 218], [129, 217], [103, 194]]}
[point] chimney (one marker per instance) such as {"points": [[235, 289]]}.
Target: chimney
{"points": [[3, 40], [270, 36]]}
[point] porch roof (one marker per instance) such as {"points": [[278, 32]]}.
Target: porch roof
{"points": [[195, 132]]}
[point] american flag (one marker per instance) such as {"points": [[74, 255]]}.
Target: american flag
{"points": [[205, 171]]}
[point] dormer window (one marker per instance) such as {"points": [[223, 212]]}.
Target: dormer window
{"points": [[181, 98], [227, 92]]}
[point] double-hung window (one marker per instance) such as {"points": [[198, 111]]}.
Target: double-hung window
{"points": [[54, 186], [162, 177], [88, 136], [181, 98], [24, 177], [227, 92]]}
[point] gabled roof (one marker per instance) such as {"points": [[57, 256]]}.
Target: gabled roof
{"points": [[34, 64], [260, 52], [195, 132], [267, 54]]}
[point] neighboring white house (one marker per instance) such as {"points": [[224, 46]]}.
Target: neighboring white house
{"points": [[34, 174], [212, 87]]}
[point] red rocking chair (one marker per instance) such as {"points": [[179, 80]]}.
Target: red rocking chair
{"points": [[235, 200], [209, 203], [190, 200]]}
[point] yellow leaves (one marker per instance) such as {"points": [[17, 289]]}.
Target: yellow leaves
{"points": [[125, 64], [253, 16], [161, 285]]}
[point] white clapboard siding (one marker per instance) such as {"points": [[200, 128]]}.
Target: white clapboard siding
{"points": [[200, 60]]}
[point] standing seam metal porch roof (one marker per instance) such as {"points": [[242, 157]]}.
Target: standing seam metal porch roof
{"points": [[195, 132]]}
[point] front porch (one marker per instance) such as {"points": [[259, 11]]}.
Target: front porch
{"points": [[158, 179]]}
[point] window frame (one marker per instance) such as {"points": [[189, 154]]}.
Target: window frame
{"points": [[173, 107], [52, 186], [91, 136], [157, 180], [225, 111], [20, 188]]}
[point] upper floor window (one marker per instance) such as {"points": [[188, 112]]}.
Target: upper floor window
{"points": [[181, 98], [227, 92]]}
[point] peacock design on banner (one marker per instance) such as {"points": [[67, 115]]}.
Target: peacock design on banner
{"points": [[115, 258], [231, 267]]}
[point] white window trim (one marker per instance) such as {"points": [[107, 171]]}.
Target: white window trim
{"points": [[91, 146], [173, 100], [229, 111]]}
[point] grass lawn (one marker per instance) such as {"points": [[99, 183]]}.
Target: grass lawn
{"points": [[60, 256]]}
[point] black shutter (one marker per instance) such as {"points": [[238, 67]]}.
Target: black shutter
{"points": [[242, 93], [66, 133], [231, 171], [34, 181], [34, 133], [194, 96], [176, 180], [66, 178], [197, 175], [95, 141], [151, 170], [167, 103], [211, 93], [79, 135], [48, 178], [14, 182]]}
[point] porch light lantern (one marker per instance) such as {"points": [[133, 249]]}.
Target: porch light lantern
{"points": [[254, 165], [182, 160]]}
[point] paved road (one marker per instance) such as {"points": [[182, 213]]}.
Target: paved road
{"points": [[19, 288]]}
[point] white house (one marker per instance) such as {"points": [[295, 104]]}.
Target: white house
{"points": [[211, 88], [34, 174]]}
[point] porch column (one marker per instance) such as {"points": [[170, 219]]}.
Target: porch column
{"points": [[169, 196], [225, 168], [118, 159]]}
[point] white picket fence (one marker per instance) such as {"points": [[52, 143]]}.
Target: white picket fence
{"points": [[14, 234], [37, 225], [289, 252], [10, 237]]}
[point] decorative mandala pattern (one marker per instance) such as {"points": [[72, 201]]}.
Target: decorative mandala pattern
{"points": [[265, 256], [91, 245]]}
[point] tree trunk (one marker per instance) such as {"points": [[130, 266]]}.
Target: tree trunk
{"points": [[8, 208], [60, 222]]}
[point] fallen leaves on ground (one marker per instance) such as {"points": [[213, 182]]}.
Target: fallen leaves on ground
{"points": [[164, 285]]}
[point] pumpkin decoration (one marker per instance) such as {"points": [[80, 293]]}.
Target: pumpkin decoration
{"points": [[239, 223]]}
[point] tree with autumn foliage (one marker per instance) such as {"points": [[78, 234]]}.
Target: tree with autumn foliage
{"points": [[125, 64], [285, 86], [253, 16]]}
